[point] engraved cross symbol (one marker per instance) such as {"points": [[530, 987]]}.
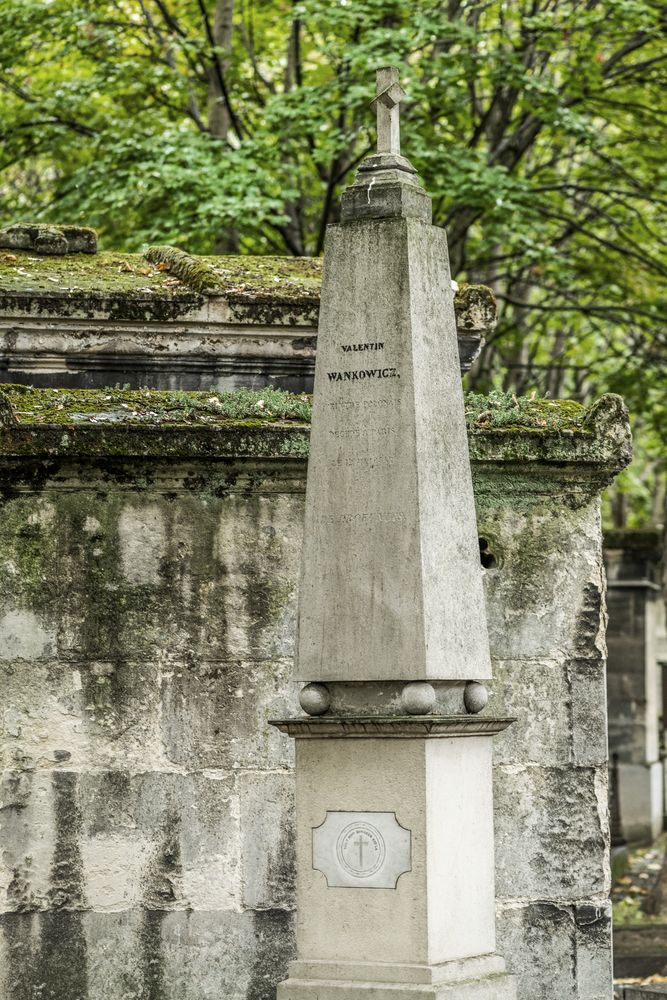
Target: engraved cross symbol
{"points": [[386, 104], [361, 842]]}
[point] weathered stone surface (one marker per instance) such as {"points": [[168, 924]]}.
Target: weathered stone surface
{"points": [[539, 562], [564, 947], [522, 689], [119, 838], [266, 802], [562, 815], [212, 713], [145, 953], [387, 398]]}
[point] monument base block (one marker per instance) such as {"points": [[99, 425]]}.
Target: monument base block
{"points": [[480, 978], [490, 988]]}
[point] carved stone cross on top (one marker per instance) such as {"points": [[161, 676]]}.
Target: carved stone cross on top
{"points": [[386, 104]]}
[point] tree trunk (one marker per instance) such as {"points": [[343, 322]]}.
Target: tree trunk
{"points": [[223, 26], [219, 120]]}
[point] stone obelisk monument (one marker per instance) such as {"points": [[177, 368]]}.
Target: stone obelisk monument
{"points": [[395, 870]]}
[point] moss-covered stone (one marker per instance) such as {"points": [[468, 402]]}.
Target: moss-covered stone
{"points": [[193, 271], [148, 600], [508, 412], [165, 271], [249, 407], [476, 308], [27, 405], [280, 280], [104, 273], [171, 272], [49, 240], [641, 540]]}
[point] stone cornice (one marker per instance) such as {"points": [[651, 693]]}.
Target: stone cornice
{"points": [[390, 727]]}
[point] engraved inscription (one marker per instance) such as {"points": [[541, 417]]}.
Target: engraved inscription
{"points": [[377, 345], [362, 374], [346, 405], [365, 850], [365, 517], [352, 431]]}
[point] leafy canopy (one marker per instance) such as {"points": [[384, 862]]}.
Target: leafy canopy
{"points": [[537, 125]]}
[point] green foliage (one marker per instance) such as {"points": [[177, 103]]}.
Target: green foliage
{"points": [[538, 127]]}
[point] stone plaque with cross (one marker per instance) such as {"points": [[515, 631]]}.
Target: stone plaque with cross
{"points": [[362, 850]]}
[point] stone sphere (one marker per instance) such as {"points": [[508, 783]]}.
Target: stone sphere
{"points": [[418, 698], [314, 699], [475, 697]]}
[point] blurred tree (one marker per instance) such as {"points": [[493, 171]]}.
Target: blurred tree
{"points": [[537, 125]]}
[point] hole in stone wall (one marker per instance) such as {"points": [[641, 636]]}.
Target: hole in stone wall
{"points": [[486, 556]]}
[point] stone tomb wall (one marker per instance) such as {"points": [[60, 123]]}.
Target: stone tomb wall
{"points": [[147, 622]]}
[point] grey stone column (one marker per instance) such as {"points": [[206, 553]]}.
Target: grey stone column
{"points": [[634, 681]]}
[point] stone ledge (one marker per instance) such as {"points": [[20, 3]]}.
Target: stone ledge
{"points": [[394, 727], [85, 441], [451, 971], [48, 435]]}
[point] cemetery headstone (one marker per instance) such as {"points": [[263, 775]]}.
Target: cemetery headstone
{"points": [[395, 861]]}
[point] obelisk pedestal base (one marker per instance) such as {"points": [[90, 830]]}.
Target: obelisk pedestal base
{"points": [[480, 978], [395, 894]]}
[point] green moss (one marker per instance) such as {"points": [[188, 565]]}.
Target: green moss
{"points": [[165, 271], [254, 408], [508, 412], [245, 407], [279, 280], [193, 271], [282, 280], [28, 547], [269, 423], [111, 273]]}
